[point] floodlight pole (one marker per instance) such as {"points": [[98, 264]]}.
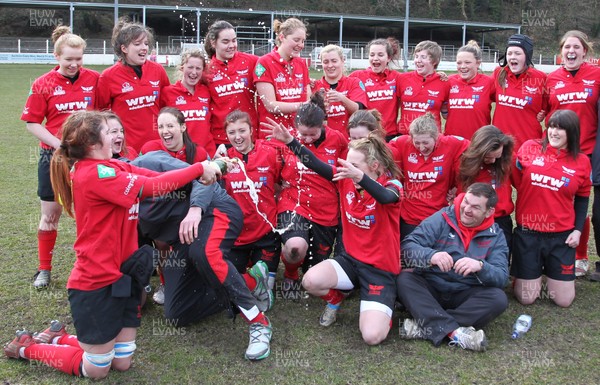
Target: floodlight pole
{"points": [[405, 42], [197, 26]]}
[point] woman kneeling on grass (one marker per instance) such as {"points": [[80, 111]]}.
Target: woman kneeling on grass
{"points": [[103, 195], [370, 206]]}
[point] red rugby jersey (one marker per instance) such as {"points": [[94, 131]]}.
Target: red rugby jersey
{"points": [[310, 195], [263, 167], [419, 95], [518, 104], [505, 205], [469, 105], [382, 95], [578, 93], [196, 110], [371, 230], [337, 115], [136, 101], [548, 184], [231, 88], [106, 203], [427, 181], [289, 79], [54, 97]]}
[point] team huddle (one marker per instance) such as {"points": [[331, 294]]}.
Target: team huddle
{"points": [[398, 186]]}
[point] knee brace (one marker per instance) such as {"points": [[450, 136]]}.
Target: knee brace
{"points": [[125, 349], [99, 360]]}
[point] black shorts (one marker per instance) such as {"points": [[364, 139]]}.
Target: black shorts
{"points": [[376, 285], [320, 238], [536, 254], [266, 249], [45, 191], [99, 317]]}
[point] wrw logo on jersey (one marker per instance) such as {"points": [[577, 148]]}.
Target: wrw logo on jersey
{"points": [[74, 106], [287, 93], [243, 185], [514, 101], [549, 182], [363, 223], [335, 110], [195, 114], [228, 88], [575, 97], [381, 94], [141, 101], [418, 106], [464, 103], [427, 176]]}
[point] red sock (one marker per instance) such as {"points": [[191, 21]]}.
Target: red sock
{"points": [[260, 318], [65, 358], [291, 269], [68, 339], [46, 242], [333, 297], [250, 281], [581, 252]]}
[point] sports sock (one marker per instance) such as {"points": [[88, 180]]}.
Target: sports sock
{"points": [[67, 339], [250, 281], [46, 242], [65, 358], [581, 252], [333, 297]]}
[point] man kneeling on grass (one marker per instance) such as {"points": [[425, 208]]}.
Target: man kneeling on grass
{"points": [[460, 265]]}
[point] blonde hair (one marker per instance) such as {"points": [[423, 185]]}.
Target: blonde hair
{"points": [[374, 148], [583, 38], [62, 36], [287, 27], [473, 48], [185, 56], [424, 125], [332, 48]]}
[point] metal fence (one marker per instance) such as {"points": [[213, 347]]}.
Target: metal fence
{"points": [[172, 45]]}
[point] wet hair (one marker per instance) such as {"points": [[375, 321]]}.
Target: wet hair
{"points": [[212, 35], [190, 147], [569, 121], [80, 131], [485, 140], [485, 190], [185, 56], [287, 27], [62, 36], [312, 114], [374, 148], [108, 115], [473, 48], [433, 49], [368, 118], [424, 125], [125, 32], [392, 47], [583, 38]]}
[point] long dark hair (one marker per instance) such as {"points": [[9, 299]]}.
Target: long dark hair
{"points": [[485, 140], [212, 35], [190, 147], [80, 131]]}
